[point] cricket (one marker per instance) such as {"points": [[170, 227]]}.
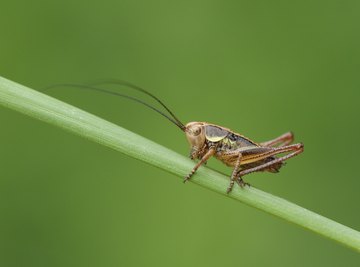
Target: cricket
{"points": [[210, 140]]}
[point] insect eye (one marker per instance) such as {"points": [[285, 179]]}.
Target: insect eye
{"points": [[197, 131]]}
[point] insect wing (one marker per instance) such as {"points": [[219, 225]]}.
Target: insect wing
{"points": [[215, 133]]}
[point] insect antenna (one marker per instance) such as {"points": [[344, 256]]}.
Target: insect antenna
{"points": [[138, 88], [92, 88]]}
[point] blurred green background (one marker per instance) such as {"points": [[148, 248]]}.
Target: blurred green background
{"points": [[258, 67]]}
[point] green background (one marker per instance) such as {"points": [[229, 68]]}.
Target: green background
{"points": [[260, 68]]}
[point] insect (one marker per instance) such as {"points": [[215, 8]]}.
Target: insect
{"points": [[210, 140]]}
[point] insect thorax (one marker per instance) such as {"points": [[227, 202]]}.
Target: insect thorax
{"points": [[233, 142]]}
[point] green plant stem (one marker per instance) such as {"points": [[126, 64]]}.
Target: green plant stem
{"points": [[53, 111]]}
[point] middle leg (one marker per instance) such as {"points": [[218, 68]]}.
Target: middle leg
{"points": [[234, 174]]}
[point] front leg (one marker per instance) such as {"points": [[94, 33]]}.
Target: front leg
{"points": [[207, 155]]}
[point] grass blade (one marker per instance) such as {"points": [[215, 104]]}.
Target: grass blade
{"points": [[70, 118]]}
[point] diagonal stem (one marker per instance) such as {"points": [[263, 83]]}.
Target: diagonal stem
{"points": [[53, 111]]}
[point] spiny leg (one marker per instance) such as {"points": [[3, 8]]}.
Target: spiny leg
{"points": [[234, 173], [208, 154], [296, 148], [282, 140]]}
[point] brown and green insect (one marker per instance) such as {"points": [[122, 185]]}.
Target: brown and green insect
{"points": [[209, 140]]}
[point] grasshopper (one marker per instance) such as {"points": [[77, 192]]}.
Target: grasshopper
{"points": [[210, 140]]}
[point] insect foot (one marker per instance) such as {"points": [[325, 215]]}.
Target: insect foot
{"points": [[239, 181], [242, 183], [228, 190], [187, 177]]}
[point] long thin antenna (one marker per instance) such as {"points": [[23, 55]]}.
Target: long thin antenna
{"points": [[88, 87], [138, 88]]}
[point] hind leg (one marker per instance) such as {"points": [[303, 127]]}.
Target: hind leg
{"points": [[294, 149], [282, 140]]}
